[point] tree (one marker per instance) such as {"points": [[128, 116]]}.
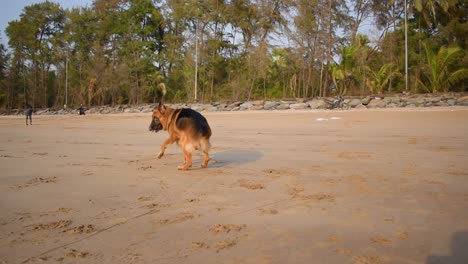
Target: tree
{"points": [[4, 87], [380, 79], [437, 73], [33, 41]]}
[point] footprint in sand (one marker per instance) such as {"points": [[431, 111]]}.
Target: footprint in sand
{"points": [[87, 173], [144, 168], [60, 210], [9, 156], [220, 245], [297, 193], [73, 253], [144, 198], [251, 185], [225, 244], [367, 260], [200, 245], [181, 217], [275, 173], [263, 211], [225, 229], [82, 229], [401, 235], [36, 181], [381, 241], [40, 153], [51, 225]]}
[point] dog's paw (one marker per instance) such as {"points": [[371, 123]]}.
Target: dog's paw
{"points": [[184, 166], [161, 154]]}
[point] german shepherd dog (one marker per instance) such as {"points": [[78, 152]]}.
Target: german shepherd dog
{"points": [[188, 128]]}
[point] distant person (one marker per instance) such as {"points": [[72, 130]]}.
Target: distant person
{"points": [[81, 110], [28, 110]]}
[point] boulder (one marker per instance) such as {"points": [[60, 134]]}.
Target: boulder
{"points": [[317, 104], [282, 106], [462, 100], [354, 102], [270, 105], [299, 106], [246, 106], [451, 102], [418, 101], [366, 100], [212, 109], [376, 103]]}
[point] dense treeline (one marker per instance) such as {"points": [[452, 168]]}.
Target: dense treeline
{"points": [[134, 51]]}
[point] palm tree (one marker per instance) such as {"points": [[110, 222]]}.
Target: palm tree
{"points": [[437, 73], [381, 78]]}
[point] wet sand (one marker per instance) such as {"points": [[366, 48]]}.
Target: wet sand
{"points": [[361, 186]]}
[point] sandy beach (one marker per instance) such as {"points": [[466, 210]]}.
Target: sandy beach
{"points": [[359, 186]]}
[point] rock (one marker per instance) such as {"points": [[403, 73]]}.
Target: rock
{"points": [[270, 105], [441, 103], [433, 99], [42, 112], [258, 102], [462, 101], [235, 104], [354, 102], [451, 102], [197, 107], [212, 109], [299, 106], [360, 106], [131, 110], [147, 110], [282, 107], [415, 101], [392, 99], [221, 107], [317, 104], [366, 100], [246, 106], [256, 107], [376, 103]]}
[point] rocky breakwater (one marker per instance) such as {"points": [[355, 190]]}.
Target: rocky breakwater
{"points": [[389, 101]]}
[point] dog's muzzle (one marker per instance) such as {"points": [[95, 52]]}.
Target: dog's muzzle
{"points": [[155, 125]]}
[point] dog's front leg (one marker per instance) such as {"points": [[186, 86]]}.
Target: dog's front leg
{"points": [[164, 145]]}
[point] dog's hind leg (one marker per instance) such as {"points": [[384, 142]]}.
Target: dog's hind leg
{"points": [[205, 146], [187, 160]]}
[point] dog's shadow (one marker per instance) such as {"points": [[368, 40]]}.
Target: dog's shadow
{"points": [[234, 157]]}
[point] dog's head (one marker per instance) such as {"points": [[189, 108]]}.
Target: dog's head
{"points": [[159, 118]]}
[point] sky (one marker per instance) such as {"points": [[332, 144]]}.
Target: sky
{"points": [[11, 9]]}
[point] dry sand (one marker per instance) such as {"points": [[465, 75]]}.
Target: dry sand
{"points": [[368, 186]]}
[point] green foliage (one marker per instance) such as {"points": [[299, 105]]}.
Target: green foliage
{"points": [[380, 79], [437, 73], [136, 51]]}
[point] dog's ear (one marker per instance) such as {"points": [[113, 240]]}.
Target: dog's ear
{"points": [[161, 107]]}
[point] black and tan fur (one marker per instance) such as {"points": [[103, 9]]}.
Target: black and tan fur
{"points": [[188, 128]]}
